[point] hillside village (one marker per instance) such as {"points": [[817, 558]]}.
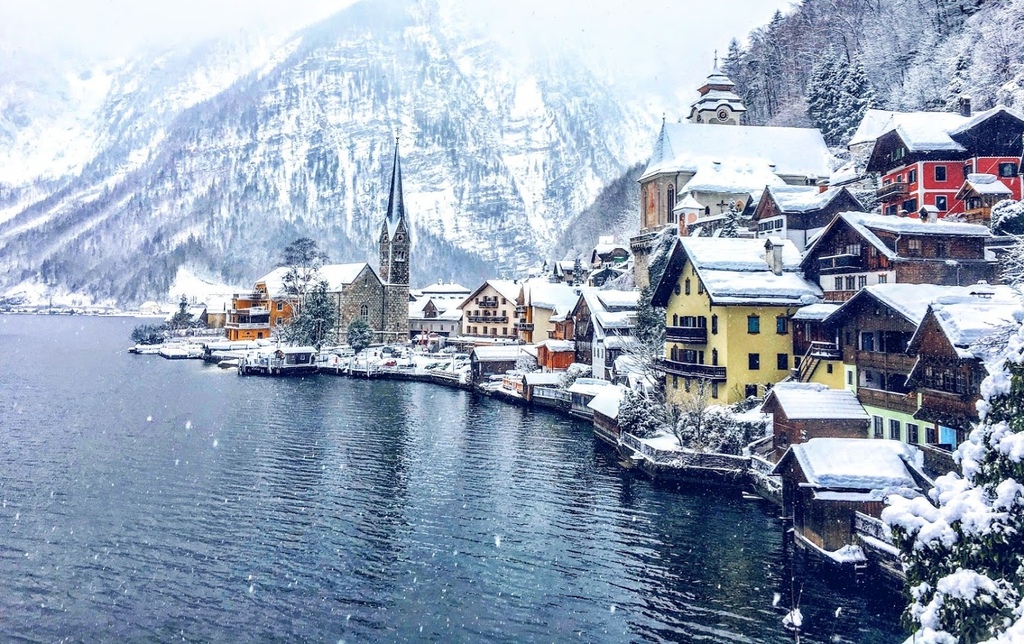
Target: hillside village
{"points": [[763, 312]]}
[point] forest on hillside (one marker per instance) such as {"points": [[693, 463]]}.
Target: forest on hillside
{"points": [[916, 55]]}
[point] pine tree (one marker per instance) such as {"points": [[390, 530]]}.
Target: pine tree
{"points": [[314, 324], [360, 335], [964, 559], [823, 94], [856, 96], [731, 225]]}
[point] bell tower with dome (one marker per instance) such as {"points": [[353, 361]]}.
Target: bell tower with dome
{"points": [[718, 104]]}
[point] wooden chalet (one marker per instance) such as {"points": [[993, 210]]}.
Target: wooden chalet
{"points": [[950, 363], [556, 355], [798, 213], [925, 158], [978, 194], [493, 360], [859, 249]]}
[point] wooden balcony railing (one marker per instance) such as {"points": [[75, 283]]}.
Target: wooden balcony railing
{"points": [[690, 370], [690, 334]]}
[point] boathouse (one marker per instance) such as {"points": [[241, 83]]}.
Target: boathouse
{"points": [[826, 481], [805, 410], [493, 360]]}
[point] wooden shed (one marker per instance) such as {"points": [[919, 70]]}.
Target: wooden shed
{"points": [[805, 410], [493, 360], [825, 481]]}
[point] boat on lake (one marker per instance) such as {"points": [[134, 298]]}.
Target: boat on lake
{"points": [[279, 361]]}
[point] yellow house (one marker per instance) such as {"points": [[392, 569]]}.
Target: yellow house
{"points": [[728, 304]]}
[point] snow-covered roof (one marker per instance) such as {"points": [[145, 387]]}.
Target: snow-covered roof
{"points": [[607, 401], [802, 198], [733, 175], [616, 299], [689, 202], [507, 289], [336, 275], [818, 311], [909, 300], [615, 319], [687, 147], [872, 125], [452, 289], [965, 318], [498, 353], [558, 346], [589, 386], [983, 116], [735, 271], [928, 130], [736, 254], [543, 378], [806, 400], [986, 184], [557, 297], [856, 463]]}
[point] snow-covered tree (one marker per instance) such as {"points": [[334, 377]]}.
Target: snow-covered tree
{"points": [[855, 97], [1008, 217], [181, 319], [964, 556], [526, 363], [316, 320], [824, 91], [731, 225], [575, 370], [303, 259], [579, 276], [360, 335], [1011, 265], [640, 414]]}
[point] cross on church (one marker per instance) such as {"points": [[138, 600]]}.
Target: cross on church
{"points": [[723, 205]]}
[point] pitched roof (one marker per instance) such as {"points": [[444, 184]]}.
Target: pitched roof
{"points": [[965, 318], [985, 184], [736, 271], [909, 300], [855, 463], [803, 198], [440, 288], [505, 288], [607, 401], [498, 353], [396, 204], [806, 401], [687, 147], [336, 275], [865, 223], [558, 297]]}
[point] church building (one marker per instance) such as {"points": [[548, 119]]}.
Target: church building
{"points": [[703, 167], [395, 244]]}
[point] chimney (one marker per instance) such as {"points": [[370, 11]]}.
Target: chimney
{"points": [[773, 255], [964, 104]]}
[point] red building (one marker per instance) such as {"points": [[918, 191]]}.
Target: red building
{"points": [[925, 158]]}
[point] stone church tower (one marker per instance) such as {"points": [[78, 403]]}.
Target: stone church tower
{"points": [[717, 104], [395, 244]]}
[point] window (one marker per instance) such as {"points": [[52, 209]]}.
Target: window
{"points": [[910, 205], [675, 382], [850, 281], [940, 203], [877, 426], [700, 287], [894, 429], [782, 361], [687, 285], [882, 279], [714, 324], [675, 320], [931, 435], [780, 325], [912, 176], [753, 324], [754, 361], [914, 246], [862, 281], [839, 283], [1007, 169], [364, 311], [280, 306], [750, 391], [867, 341], [849, 377], [941, 249], [828, 367], [670, 205], [940, 173], [913, 434], [714, 357], [677, 289], [714, 389]]}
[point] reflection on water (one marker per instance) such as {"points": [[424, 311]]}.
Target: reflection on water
{"points": [[153, 499]]}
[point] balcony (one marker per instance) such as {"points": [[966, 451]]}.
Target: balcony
{"points": [[837, 262], [524, 326], [892, 191], [690, 334], [488, 303], [950, 409], [248, 325], [489, 319], [253, 310], [520, 310], [888, 362], [904, 403], [689, 370]]}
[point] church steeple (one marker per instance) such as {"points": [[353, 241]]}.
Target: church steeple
{"points": [[718, 103], [394, 234]]}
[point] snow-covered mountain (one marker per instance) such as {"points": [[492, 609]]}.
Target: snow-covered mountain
{"points": [[213, 159]]}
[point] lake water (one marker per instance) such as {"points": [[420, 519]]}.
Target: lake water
{"points": [[147, 499]]}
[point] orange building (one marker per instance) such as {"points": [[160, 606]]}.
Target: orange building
{"points": [[254, 314]]}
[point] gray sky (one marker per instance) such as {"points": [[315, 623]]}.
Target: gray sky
{"points": [[666, 43]]}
